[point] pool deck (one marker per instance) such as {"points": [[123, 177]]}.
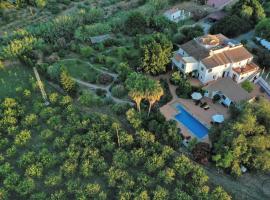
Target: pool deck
{"points": [[204, 116]]}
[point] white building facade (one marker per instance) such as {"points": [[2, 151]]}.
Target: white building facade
{"points": [[211, 57], [177, 15]]}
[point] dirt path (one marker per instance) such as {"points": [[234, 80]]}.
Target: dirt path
{"points": [[103, 87], [107, 88], [248, 187], [92, 66]]}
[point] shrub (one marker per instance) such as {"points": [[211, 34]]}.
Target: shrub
{"points": [[104, 79], [54, 72], [216, 98], [176, 78], [248, 86], [101, 92], [201, 152], [1, 65], [188, 33], [88, 98], [167, 97], [86, 51], [229, 26], [23, 137], [136, 23], [119, 91], [184, 89], [120, 109]]}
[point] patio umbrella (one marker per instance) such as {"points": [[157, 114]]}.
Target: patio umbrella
{"points": [[196, 95], [218, 118]]}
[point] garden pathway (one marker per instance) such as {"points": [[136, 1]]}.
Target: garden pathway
{"points": [[107, 88], [114, 75], [103, 87]]}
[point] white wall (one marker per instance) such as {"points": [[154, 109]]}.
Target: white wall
{"points": [[185, 67], [191, 67], [227, 101], [183, 53], [241, 63], [176, 15], [208, 75]]}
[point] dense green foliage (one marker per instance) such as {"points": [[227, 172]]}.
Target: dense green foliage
{"points": [[58, 152], [68, 149], [244, 12], [244, 140], [184, 88], [263, 57], [156, 51], [136, 23], [229, 26], [248, 86], [141, 87], [263, 29], [188, 33]]}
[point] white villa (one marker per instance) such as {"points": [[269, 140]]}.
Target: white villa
{"points": [[211, 57], [177, 15]]}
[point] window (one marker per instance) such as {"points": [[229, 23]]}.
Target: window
{"points": [[214, 77], [210, 70], [183, 66], [202, 68]]}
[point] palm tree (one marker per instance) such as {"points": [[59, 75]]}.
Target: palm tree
{"points": [[137, 96], [116, 126], [154, 93]]}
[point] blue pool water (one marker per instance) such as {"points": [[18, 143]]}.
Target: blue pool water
{"points": [[195, 126]]}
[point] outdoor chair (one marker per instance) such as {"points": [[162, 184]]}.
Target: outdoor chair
{"points": [[203, 104], [206, 107], [198, 102]]}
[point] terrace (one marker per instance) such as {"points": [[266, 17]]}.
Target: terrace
{"points": [[247, 69], [204, 116]]}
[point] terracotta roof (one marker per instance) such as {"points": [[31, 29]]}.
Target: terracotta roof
{"points": [[248, 68], [233, 55], [216, 60], [195, 50], [238, 54], [179, 58], [230, 89]]}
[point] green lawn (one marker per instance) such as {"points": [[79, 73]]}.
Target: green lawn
{"points": [[81, 70], [13, 80]]}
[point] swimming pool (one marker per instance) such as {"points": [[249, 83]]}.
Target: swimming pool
{"points": [[192, 124]]}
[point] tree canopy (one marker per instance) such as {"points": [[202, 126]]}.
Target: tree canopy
{"points": [[142, 87], [244, 140], [263, 29], [156, 51], [244, 12], [77, 155]]}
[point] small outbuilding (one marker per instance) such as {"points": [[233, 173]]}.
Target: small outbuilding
{"points": [[176, 15], [100, 38], [228, 91]]}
